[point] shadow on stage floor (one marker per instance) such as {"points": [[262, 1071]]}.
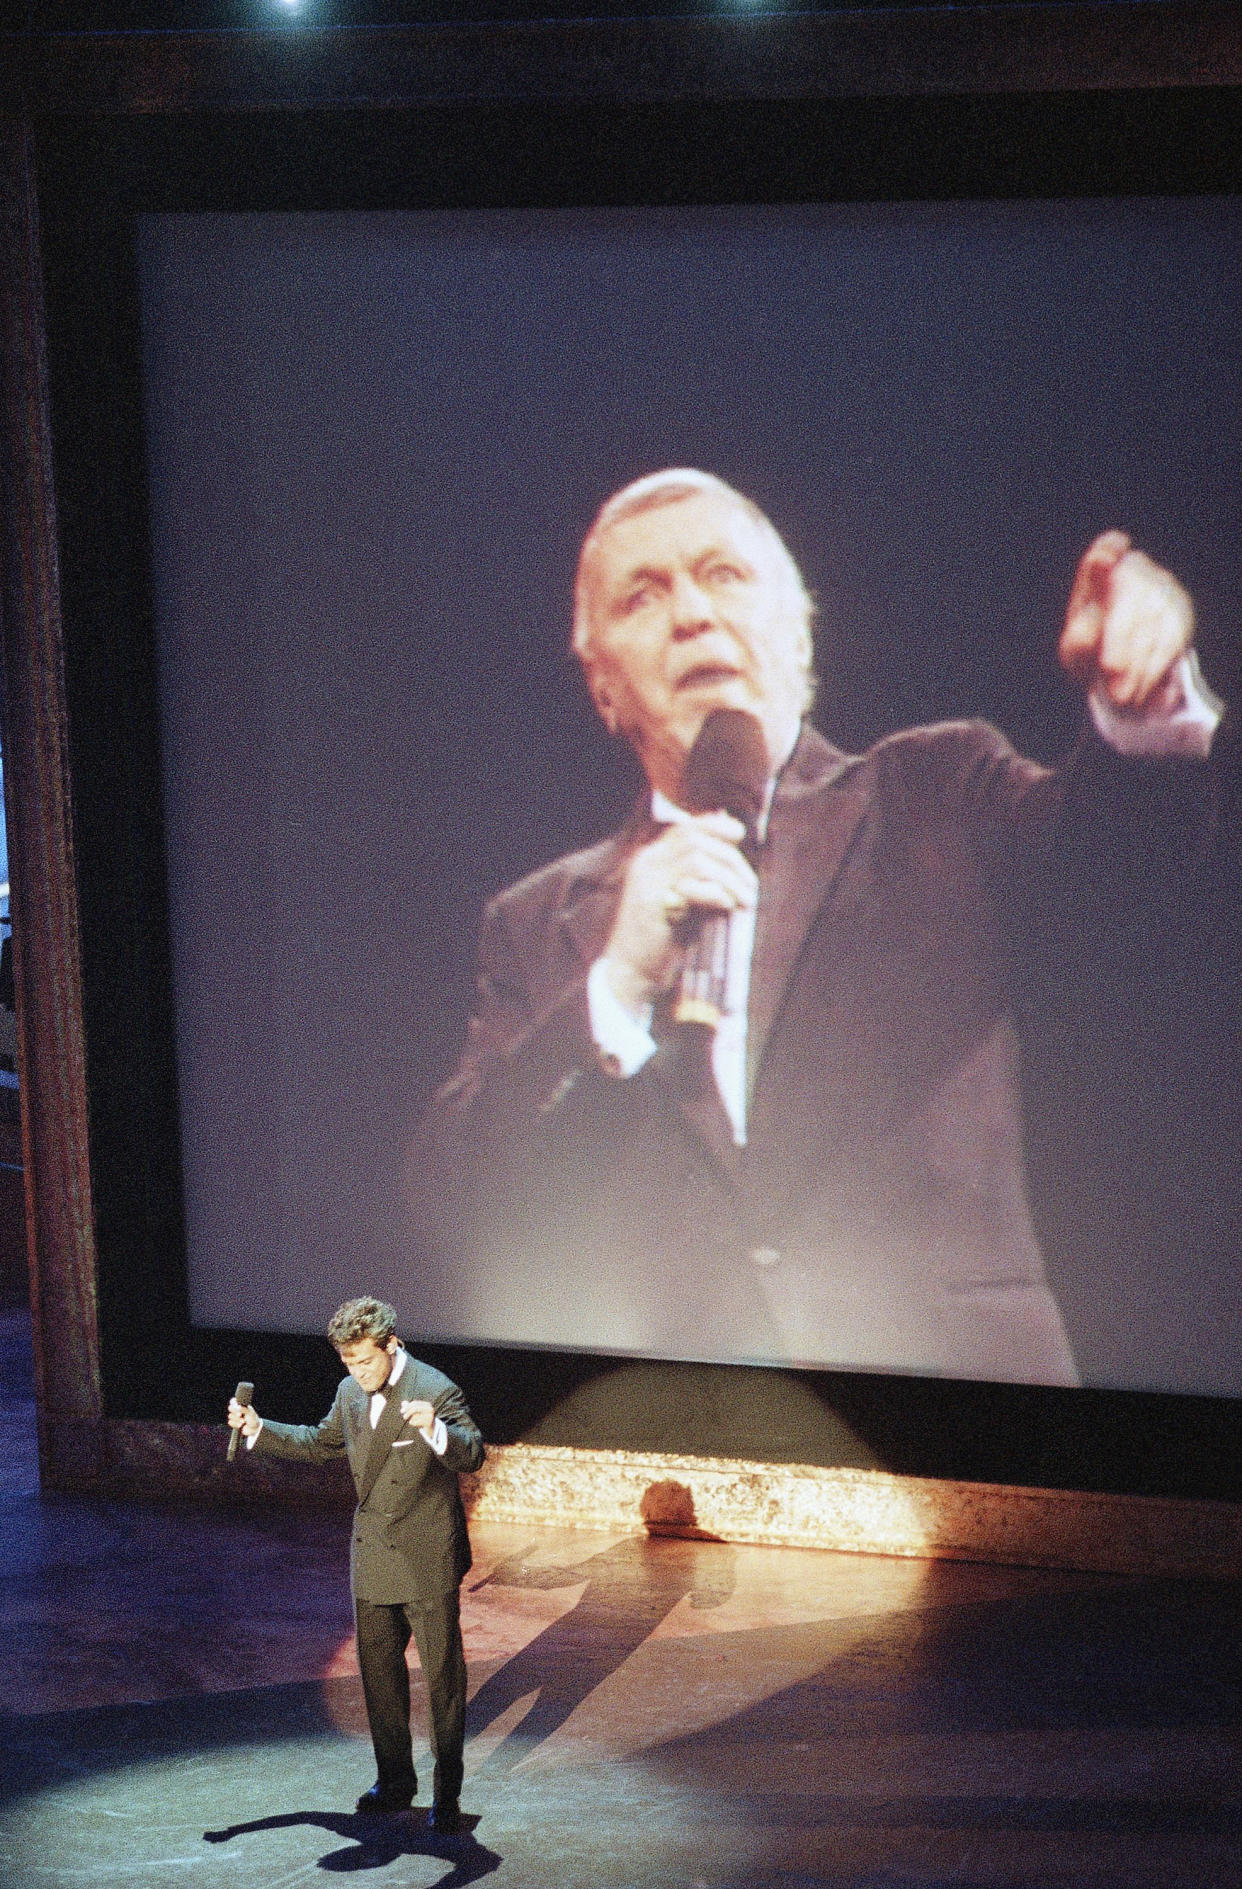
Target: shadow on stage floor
{"points": [[179, 1705]]}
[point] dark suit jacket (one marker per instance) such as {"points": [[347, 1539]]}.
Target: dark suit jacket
{"points": [[409, 1539], [878, 1215]]}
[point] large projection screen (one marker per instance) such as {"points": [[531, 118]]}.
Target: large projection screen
{"points": [[376, 441]]}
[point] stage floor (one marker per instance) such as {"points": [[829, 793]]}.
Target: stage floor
{"points": [[181, 1708]]}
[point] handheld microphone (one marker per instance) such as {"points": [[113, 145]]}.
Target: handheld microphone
{"points": [[726, 770], [244, 1394]]}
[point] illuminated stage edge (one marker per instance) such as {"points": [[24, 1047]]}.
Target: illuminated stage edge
{"points": [[861, 1511]]}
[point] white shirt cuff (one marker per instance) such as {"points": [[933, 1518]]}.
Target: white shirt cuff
{"points": [[1179, 720], [437, 1439], [252, 1440], [624, 1043]]}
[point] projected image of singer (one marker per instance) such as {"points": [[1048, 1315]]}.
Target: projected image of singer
{"points": [[743, 1080]]}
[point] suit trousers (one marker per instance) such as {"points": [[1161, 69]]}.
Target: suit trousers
{"points": [[383, 1634]]}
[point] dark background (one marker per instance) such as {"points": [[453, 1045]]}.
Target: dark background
{"points": [[294, 16], [950, 148]]}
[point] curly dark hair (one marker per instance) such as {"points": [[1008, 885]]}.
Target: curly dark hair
{"points": [[361, 1318]]}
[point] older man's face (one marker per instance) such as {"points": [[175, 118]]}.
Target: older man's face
{"points": [[691, 610]]}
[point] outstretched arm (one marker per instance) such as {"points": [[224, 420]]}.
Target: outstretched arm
{"points": [[1129, 630], [315, 1441]]}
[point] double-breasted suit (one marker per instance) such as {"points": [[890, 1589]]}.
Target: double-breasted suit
{"points": [[877, 1215], [408, 1554]]}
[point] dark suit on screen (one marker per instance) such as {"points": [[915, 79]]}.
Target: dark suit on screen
{"points": [[409, 1552], [877, 1216]]}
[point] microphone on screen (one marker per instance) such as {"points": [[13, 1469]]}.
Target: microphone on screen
{"points": [[244, 1394], [726, 770]]}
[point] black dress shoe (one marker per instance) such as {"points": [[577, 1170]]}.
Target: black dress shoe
{"points": [[445, 1816], [377, 1802]]}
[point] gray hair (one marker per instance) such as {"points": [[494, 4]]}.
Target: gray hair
{"points": [[671, 487]]}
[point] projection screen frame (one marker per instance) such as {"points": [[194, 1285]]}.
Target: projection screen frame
{"points": [[98, 127]]}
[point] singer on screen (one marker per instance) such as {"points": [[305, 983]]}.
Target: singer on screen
{"points": [[743, 1080]]}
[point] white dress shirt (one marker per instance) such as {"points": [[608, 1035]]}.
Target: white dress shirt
{"points": [[1179, 722], [436, 1438]]}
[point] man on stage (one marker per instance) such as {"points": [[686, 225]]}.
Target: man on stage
{"points": [[840, 1179], [407, 1433]]}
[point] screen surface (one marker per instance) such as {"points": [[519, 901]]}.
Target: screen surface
{"points": [[376, 443]]}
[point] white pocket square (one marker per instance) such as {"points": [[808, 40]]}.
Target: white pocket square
{"points": [[403, 1442]]}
